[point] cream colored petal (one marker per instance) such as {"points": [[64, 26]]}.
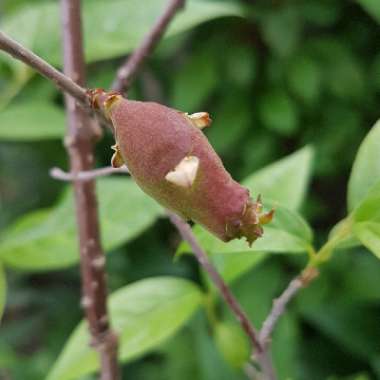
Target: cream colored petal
{"points": [[185, 172], [117, 160], [199, 119]]}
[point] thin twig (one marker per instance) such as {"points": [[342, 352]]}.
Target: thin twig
{"points": [[63, 82], [88, 175], [278, 308], [80, 144], [260, 353], [280, 304], [131, 65], [188, 235]]}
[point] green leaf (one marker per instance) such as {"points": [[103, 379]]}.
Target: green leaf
{"points": [[281, 30], [305, 79], [273, 241], [349, 241], [358, 278], [111, 28], [143, 314], [366, 220], [240, 64], [40, 240], [284, 181], [343, 74], [31, 121], [232, 343], [372, 7], [375, 364], [3, 290], [278, 112], [288, 234], [369, 235], [234, 266], [366, 168], [231, 120], [347, 125], [292, 222], [321, 13], [47, 239], [336, 319], [23, 27], [375, 72], [125, 211], [285, 346], [368, 209], [188, 94]]}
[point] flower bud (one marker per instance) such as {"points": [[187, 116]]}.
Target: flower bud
{"points": [[172, 161]]}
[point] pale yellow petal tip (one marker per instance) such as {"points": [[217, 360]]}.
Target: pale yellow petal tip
{"points": [[117, 160], [185, 172], [200, 119]]}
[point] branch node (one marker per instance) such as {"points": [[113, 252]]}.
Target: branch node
{"points": [[86, 302], [308, 275]]}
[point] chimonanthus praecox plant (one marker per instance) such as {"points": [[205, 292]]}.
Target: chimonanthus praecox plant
{"points": [[169, 157]]}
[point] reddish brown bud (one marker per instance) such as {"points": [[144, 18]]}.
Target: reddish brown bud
{"points": [[173, 162]]}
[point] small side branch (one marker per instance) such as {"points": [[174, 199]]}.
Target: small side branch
{"points": [[280, 304], [187, 234], [88, 175], [79, 143], [19, 52], [260, 353], [127, 71]]}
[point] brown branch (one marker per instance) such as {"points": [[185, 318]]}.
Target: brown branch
{"points": [[63, 82], [131, 65], [280, 304], [79, 144], [88, 175], [260, 353]]}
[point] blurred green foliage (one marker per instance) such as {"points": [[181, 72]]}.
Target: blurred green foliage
{"points": [[276, 76]]}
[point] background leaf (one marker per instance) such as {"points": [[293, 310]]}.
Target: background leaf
{"points": [[31, 121], [143, 314], [233, 266], [286, 338], [47, 239], [187, 93], [281, 30], [372, 7], [366, 167], [230, 121], [305, 78], [369, 235], [3, 290], [284, 181], [366, 219], [118, 26], [232, 343], [337, 321], [278, 112], [290, 234]]}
